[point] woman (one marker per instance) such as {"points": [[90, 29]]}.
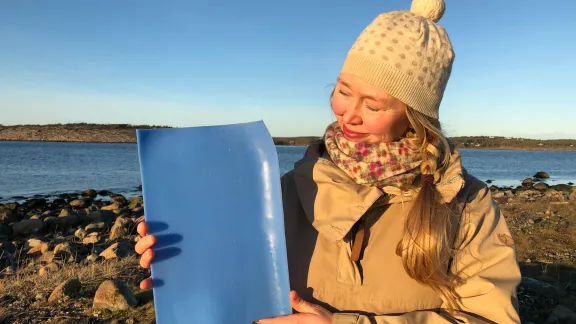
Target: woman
{"points": [[383, 224]]}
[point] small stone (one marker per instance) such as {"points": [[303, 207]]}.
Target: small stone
{"points": [[63, 248], [95, 227], [114, 296], [119, 199], [498, 195], [49, 268], [8, 216], [111, 207], [40, 248], [540, 186], [100, 215], [65, 290], [78, 203], [47, 257], [135, 202], [527, 181], [120, 228], [89, 193], [80, 233], [117, 250], [541, 175], [67, 218], [93, 258], [92, 238]]}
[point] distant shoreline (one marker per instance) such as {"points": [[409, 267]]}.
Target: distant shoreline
{"points": [[126, 134], [527, 149]]}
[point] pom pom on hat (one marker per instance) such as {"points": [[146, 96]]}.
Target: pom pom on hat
{"points": [[429, 9]]}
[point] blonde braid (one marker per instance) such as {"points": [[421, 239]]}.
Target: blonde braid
{"points": [[430, 225]]}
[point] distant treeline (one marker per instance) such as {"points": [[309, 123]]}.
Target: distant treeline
{"points": [[493, 142], [296, 141], [86, 126], [125, 133]]}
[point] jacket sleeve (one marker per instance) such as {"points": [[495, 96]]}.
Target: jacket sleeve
{"points": [[487, 256]]}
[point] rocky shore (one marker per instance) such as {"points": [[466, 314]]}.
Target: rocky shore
{"points": [[71, 259]]}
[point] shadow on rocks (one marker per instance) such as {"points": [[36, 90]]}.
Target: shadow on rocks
{"points": [[547, 293]]}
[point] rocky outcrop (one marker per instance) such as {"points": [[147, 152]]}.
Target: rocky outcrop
{"points": [[51, 233], [46, 237]]}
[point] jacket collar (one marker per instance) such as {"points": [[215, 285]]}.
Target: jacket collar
{"points": [[333, 202]]}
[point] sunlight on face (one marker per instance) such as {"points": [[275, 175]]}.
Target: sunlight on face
{"points": [[366, 113]]}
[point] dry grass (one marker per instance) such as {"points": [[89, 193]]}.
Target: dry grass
{"points": [[28, 281], [543, 232], [23, 297]]}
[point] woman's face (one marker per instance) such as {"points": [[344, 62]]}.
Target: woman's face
{"points": [[366, 113]]}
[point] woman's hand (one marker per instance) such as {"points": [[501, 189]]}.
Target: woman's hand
{"points": [[308, 313], [144, 247]]}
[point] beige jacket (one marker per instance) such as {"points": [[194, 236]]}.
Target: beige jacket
{"points": [[321, 206]]}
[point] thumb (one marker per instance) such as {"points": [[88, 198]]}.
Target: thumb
{"points": [[302, 306]]}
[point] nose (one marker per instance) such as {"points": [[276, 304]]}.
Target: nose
{"points": [[351, 115]]}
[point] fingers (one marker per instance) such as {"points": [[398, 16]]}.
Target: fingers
{"points": [[146, 258], [146, 283], [287, 319], [302, 306], [145, 243], [142, 228]]}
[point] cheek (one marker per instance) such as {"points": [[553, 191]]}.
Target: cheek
{"points": [[338, 106], [385, 124], [377, 125]]}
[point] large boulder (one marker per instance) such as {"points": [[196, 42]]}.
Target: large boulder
{"points": [[27, 226]]}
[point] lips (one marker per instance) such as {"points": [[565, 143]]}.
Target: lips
{"points": [[352, 135]]}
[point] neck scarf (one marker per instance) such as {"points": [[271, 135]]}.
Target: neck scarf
{"points": [[374, 164]]}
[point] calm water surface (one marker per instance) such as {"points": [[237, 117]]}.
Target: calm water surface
{"points": [[31, 168]]}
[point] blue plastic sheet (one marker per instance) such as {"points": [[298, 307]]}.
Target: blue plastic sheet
{"points": [[212, 197]]}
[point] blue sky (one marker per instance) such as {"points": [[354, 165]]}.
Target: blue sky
{"points": [[188, 63]]}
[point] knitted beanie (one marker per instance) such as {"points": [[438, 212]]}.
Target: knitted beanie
{"points": [[406, 54]]}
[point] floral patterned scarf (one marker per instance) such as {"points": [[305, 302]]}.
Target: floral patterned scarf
{"points": [[374, 164]]}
